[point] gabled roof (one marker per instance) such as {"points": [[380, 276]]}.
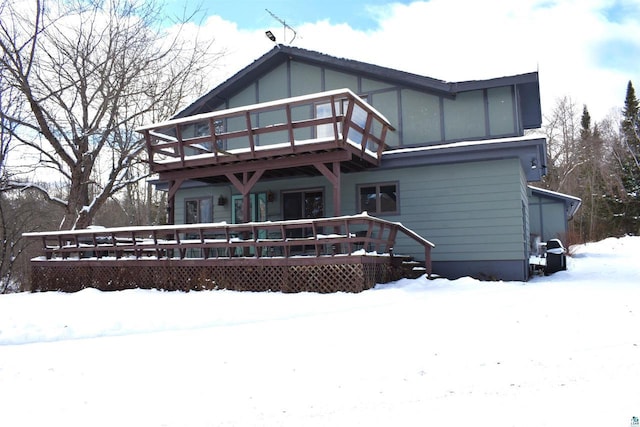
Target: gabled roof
{"points": [[281, 54], [571, 203]]}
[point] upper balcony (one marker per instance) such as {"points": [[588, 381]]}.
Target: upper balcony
{"points": [[330, 126]]}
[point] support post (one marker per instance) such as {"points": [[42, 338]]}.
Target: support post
{"points": [[333, 176], [244, 187]]}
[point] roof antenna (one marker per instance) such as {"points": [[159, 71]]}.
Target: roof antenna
{"points": [[284, 28]]}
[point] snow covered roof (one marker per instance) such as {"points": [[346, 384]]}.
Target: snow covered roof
{"points": [[572, 203], [530, 150]]}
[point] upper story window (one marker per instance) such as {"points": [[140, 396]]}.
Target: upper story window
{"points": [[379, 198], [198, 210]]}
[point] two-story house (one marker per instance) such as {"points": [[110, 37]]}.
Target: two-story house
{"points": [[299, 134]]}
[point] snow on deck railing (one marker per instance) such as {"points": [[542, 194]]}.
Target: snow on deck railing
{"points": [[344, 235], [321, 121]]}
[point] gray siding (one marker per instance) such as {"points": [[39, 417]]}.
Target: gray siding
{"points": [[471, 211], [526, 215], [474, 212], [223, 213], [420, 118], [220, 213], [548, 218]]}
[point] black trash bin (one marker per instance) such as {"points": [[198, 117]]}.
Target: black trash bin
{"points": [[556, 259]]}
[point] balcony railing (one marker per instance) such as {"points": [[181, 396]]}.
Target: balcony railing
{"points": [[325, 121], [337, 236]]}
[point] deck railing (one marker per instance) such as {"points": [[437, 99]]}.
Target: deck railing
{"points": [[311, 123], [337, 236]]}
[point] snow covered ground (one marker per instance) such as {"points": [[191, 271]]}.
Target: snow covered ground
{"points": [[562, 350]]}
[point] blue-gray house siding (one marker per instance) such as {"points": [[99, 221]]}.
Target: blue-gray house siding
{"points": [[458, 156]]}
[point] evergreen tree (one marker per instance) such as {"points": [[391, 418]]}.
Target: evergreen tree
{"points": [[629, 163], [590, 222], [585, 122], [631, 119]]}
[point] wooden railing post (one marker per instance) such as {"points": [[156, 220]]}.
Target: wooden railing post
{"points": [[427, 260], [180, 144], [391, 238], [334, 121], [346, 125], [214, 137]]}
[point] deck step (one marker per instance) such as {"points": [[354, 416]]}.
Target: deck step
{"points": [[412, 269]]}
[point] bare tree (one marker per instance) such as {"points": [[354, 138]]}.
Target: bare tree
{"points": [[90, 72], [595, 183], [580, 163], [8, 236], [563, 138]]}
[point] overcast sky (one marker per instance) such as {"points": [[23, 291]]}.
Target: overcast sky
{"points": [[585, 49]]}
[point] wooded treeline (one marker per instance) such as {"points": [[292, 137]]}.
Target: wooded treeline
{"points": [[598, 162]]}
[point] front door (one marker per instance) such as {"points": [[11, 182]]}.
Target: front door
{"points": [[257, 207], [302, 204]]}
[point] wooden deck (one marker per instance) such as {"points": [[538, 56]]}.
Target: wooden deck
{"points": [[337, 125], [323, 134], [349, 253]]}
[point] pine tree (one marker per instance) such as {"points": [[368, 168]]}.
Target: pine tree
{"points": [[629, 162], [591, 219], [631, 119], [585, 122]]}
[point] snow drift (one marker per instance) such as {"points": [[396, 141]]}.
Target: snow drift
{"points": [[558, 350]]}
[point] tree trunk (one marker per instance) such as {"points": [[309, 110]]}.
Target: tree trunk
{"points": [[113, 69]]}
